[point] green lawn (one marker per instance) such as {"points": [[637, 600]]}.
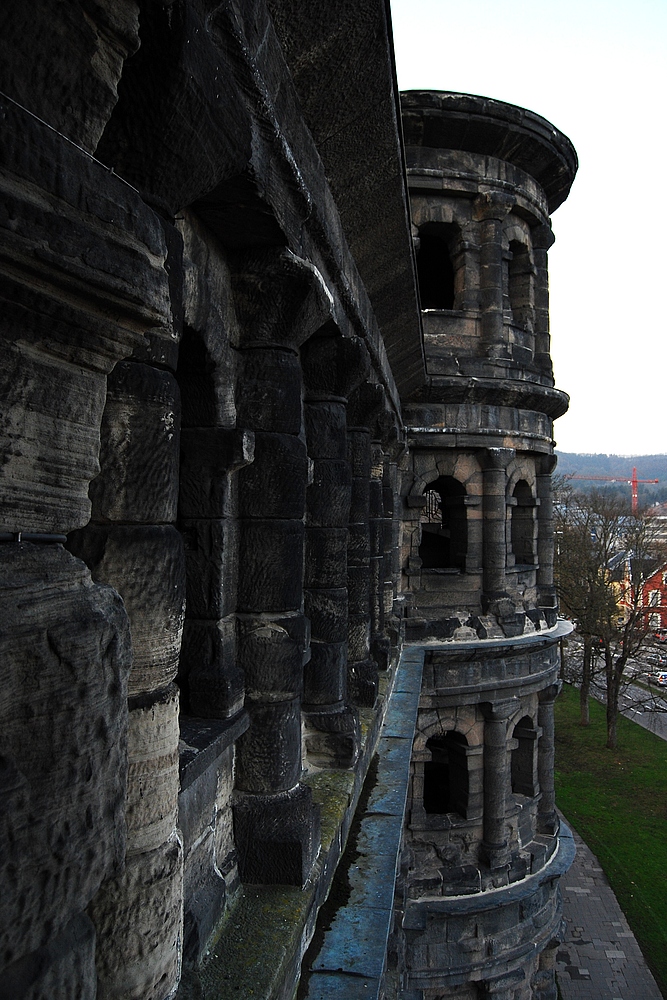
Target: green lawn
{"points": [[617, 801]]}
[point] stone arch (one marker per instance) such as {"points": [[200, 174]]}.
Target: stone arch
{"points": [[522, 524], [524, 757], [438, 262], [446, 780], [444, 530]]}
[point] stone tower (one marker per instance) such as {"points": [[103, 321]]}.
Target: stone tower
{"points": [[479, 904]]}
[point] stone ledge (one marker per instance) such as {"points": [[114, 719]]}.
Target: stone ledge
{"points": [[202, 740]]}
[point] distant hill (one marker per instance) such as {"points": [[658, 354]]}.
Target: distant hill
{"points": [[648, 467]]}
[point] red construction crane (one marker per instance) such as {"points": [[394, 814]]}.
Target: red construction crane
{"points": [[617, 479]]}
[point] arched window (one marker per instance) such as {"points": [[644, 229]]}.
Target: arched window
{"points": [[519, 285], [444, 526], [435, 265], [446, 775], [523, 524], [524, 758]]}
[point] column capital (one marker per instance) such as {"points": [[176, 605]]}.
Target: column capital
{"points": [[333, 366], [549, 694], [542, 237], [545, 464], [495, 205], [495, 458], [280, 299], [499, 711]]}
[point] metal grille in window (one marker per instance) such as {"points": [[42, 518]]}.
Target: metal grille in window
{"points": [[433, 509]]}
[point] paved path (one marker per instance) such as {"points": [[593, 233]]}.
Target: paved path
{"points": [[599, 958]]}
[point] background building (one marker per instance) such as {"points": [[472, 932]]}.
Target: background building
{"points": [[236, 476]]}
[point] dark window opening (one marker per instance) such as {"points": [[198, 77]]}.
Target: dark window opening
{"points": [[444, 542], [519, 280], [523, 758], [435, 266], [523, 524], [446, 775]]}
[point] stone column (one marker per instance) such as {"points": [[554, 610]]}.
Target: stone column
{"points": [[279, 304], [333, 366], [365, 404], [490, 210], [494, 462], [379, 641], [132, 544], [542, 239], [496, 781], [547, 817], [547, 600]]}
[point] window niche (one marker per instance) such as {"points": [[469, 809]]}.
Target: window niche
{"points": [[523, 525], [436, 265], [444, 528], [446, 782], [524, 758], [519, 285]]}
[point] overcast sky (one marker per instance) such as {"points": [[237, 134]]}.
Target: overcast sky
{"points": [[598, 72]]}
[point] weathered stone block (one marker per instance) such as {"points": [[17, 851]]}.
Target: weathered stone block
{"points": [[268, 755], [65, 655], [204, 892], [359, 636], [358, 543], [271, 565], [327, 610], [138, 920], [359, 500], [71, 85], [332, 739], [212, 676], [271, 397], [358, 452], [277, 836], [358, 586], [209, 456], [140, 447], [329, 494], [211, 560], [152, 771], [270, 653], [147, 567], [49, 441], [325, 430], [63, 967], [326, 557], [363, 682], [325, 674], [274, 485]]}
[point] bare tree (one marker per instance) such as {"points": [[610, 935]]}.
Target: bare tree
{"points": [[604, 555]]}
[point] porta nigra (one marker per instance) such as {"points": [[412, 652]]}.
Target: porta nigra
{"points": [[278, 627]]}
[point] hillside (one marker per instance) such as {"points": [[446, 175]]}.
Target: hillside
{"points": [[648, 467]]}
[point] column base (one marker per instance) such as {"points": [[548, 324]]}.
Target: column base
{"points": [[548, 823], [497, 855], [277, 836]]}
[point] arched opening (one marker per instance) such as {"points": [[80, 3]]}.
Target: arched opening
{"points": [[519, 285], [444, 526], [446, 775], [436, 271], [523, 524], [523, 758]]}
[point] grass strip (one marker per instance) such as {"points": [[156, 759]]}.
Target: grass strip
{"points": [[617, 801]]}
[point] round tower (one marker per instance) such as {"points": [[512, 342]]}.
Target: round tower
{"points": [[481, 910]]}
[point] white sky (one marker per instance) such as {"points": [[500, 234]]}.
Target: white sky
{"points": [[597, 69]]}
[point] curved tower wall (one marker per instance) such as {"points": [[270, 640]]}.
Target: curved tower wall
{"points": [[480, 907]]}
